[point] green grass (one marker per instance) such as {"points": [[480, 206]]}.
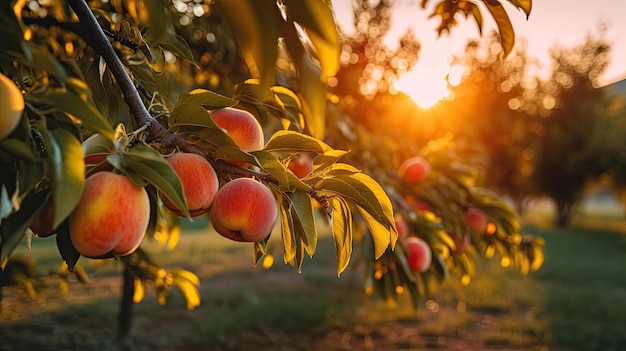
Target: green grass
{"points": [[576, 301]]}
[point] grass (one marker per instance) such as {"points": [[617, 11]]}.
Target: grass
{"points": [[575, 302]]}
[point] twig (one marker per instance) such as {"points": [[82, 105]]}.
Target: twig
{"points": [[154, 130], [101, 44]]}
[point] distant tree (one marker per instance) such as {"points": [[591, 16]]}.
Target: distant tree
{"points": [[487, 118], [579, 140]]}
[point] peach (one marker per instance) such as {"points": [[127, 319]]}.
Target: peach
{"points": [[414, 169], [244, 210], [301, 166], [419, 254], [241, 126], [111, 217], [417, 204], [462, 243], [42, 225], [401, 226], [11, 106], [199, 180], [476, 220]]}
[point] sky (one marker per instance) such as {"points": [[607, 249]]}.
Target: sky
{"points": [[565, 23]]}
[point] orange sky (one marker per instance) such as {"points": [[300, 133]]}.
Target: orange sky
{"points": [[562, 22]]}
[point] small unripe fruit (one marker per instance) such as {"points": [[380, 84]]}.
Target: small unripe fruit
{"points": [[241, 126], [244, 210], [414, 169], [11, 106], [419, 254], [111, 217], [301, 166], [199, 180], [476, 220]]}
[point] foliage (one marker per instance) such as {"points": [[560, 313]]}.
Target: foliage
{"points": [[123, 74], [582, 138]]}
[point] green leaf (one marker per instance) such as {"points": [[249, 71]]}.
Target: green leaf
{"points": [[313, 97], [342, 232], [256, 26], [66, 160], [71, 103], [190, 291], [292, 106], [525, 5], [286, 140], [234, 153], [18, 148], [382, 235], [288, 235], [302, 212], [505, 28], [177, 45], [478, 16], [43, 60], [316, 17], [326, 160], [151, 166], [270, 164], [260, 248], [371, 200], [191, 113], [157, 19], [208, 99], [6, 207]]}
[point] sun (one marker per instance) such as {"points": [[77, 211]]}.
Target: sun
{"points": [[424, 88]]}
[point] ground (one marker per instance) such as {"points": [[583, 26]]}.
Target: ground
{"points": [[575, 302]]}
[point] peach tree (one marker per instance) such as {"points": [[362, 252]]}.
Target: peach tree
{"points": [[111, 93]]}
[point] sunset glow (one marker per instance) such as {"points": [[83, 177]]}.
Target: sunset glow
{"points": [[423, 89]]}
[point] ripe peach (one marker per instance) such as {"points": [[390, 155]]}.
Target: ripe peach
{"points": [[414, 169], [401, 226], [111, 217], [462, 243], [419, 255], [476, 220], [11, 106], [42, 225], [200, 183], [244, 210], [301, 166], [241, 126], [417, 205]]}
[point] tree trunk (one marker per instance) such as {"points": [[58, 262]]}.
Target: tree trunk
{"points": [[125, 318], [564, 213]]}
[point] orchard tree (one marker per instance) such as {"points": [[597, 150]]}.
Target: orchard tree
{"points": [[487, 116], [122, 117], [580, 138]]}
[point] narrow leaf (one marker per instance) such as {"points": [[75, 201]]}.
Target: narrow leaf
{"points": [[68, 176], [151, 166], [68, 102], [289, 240], [302, 211], [507, 34], [294, 141], [342, 232]]}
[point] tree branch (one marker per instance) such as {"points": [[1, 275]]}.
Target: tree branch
{"points": [[97, 38], [101, 44]]}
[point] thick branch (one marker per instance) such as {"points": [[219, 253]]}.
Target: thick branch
{"points": [[97, 39], [101, 44]]}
